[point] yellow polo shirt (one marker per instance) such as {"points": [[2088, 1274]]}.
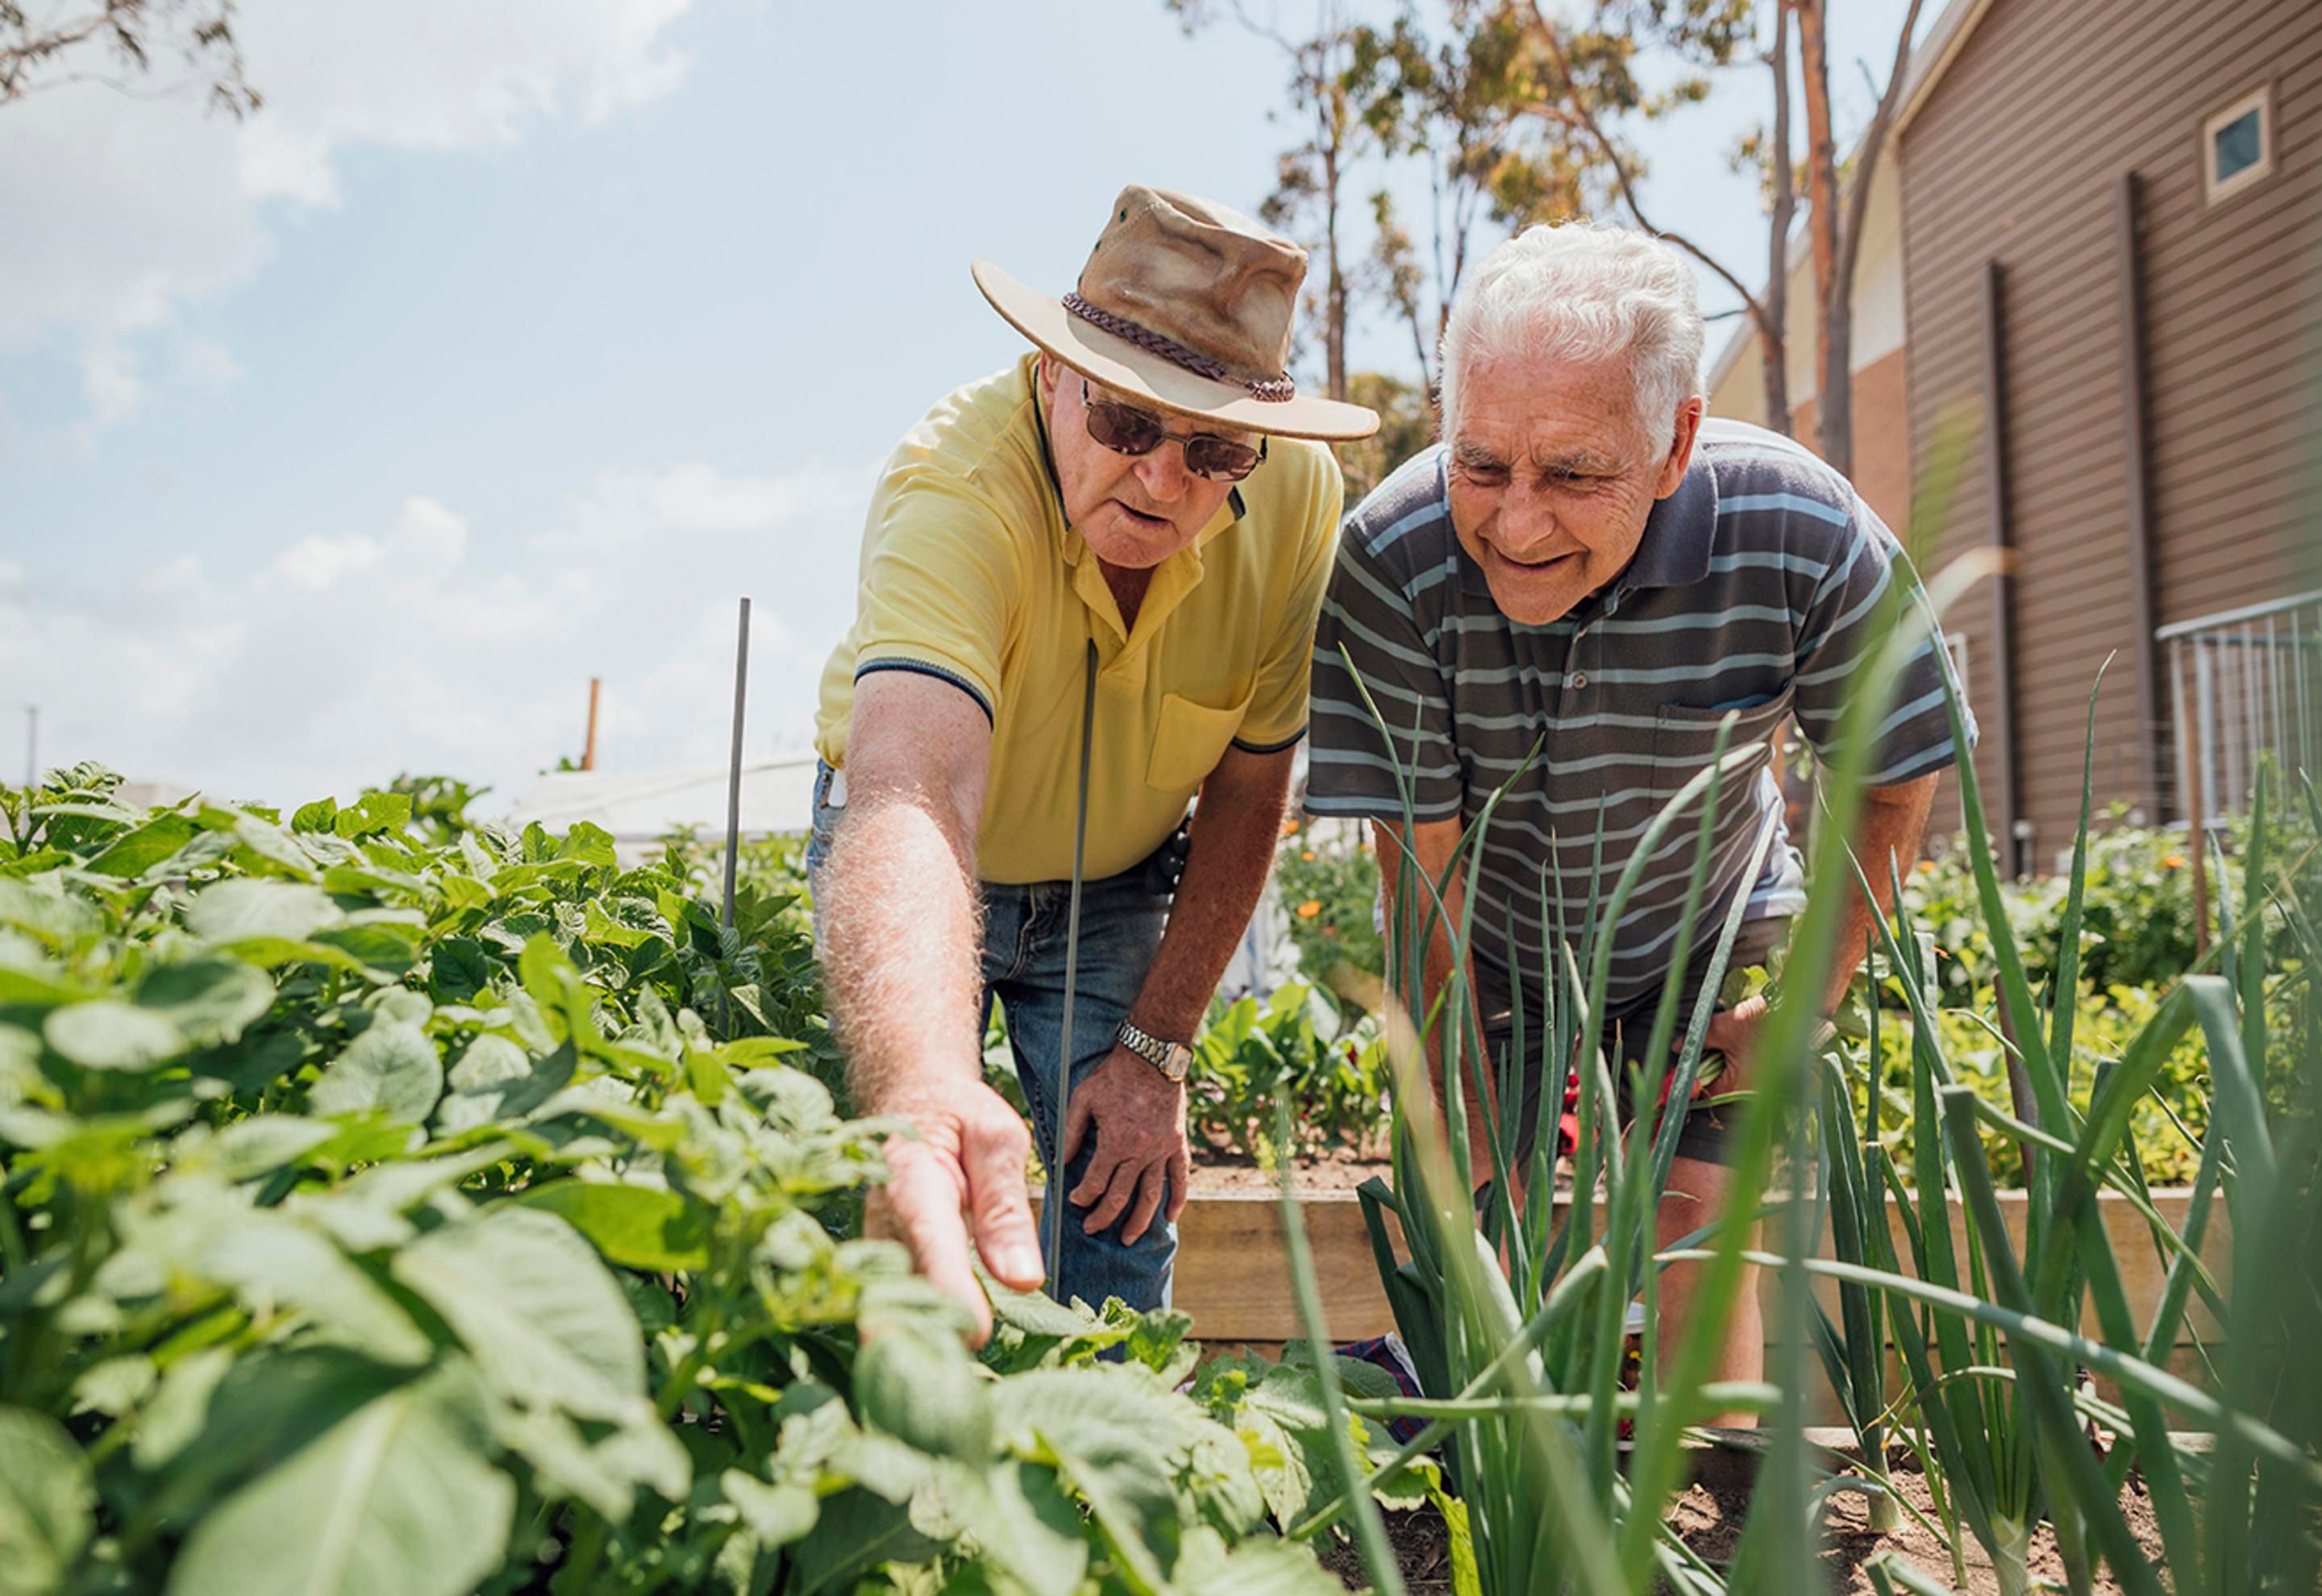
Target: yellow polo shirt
{"points": [[969, 573]]}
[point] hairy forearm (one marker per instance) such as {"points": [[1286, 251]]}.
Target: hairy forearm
{"points": [[1235, 829], [1893, 822], [903, 937]]}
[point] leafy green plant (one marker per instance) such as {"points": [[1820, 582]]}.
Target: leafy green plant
{"points": [[1251, 1056], [380, 1213], [1326, 879]]}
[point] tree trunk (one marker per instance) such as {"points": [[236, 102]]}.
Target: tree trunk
{"points": [[1837, 428], [1773, 323], [1334, 310], [1833, 307]]}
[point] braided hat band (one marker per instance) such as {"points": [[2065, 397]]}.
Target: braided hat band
{"points": [[1272, 390]]}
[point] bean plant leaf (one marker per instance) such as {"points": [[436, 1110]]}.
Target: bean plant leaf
{"points": [[212, 999], [392, 1068], [48, 1504], [273, 1262], [644, 1227], [776, 1514], [1254, 1568], [543, 1317], [141, 849], [924, 1393], [174, 1416], [64, 925], [458, 969], [242, 911], [855, 1532], [264, 1143], [373, 812], [111, 1034], [400, 1497]]}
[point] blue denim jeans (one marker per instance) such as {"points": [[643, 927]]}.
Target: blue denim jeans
{"points": [[1121, 920]]}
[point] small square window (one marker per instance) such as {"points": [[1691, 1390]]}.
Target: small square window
{"points": [[2237, 146]]}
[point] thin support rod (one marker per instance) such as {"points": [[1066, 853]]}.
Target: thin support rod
{"points": [[1993, 296], [733, 771], [589, 744], [2136, 469], [1056, 1201]]}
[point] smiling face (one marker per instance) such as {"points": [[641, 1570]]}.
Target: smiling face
{"points": [[1552, 478], [1134, 510]]}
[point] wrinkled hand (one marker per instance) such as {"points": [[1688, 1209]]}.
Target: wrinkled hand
{"points": [[1138, 1117], [968, 1155], [1734, 1032]]}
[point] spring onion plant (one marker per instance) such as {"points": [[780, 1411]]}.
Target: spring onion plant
{"points": [[1515, 1311]]}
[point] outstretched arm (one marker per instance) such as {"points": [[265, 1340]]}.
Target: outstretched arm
{"points": [[902, 935]]}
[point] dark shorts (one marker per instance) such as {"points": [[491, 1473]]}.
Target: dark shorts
{"points": [[1628, 1033]]}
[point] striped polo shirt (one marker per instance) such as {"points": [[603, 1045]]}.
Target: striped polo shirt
{"points": [[1754, 588]]}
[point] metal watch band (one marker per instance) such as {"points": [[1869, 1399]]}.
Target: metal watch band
{"points": [[1171, 1058]]}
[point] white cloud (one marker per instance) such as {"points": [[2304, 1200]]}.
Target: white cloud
{"points": [[137, 206], [625, 508], [316, 563], [423, 642]]}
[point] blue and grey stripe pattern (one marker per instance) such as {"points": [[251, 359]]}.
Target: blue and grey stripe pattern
{"points": [[1754, 590]]}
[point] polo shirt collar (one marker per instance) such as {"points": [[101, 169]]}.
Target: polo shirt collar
{"points": [[1679, 532]]}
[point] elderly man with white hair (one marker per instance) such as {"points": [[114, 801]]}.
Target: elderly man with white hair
{"points": [[1588, 564]]}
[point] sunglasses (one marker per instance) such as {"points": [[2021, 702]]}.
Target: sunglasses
{"points": [[1127, 430]]}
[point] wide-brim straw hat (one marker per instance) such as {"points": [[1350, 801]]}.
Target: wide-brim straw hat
{"points": [[1184, 305]]}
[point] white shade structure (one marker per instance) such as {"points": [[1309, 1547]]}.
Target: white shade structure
{"points": [[640, 808]]}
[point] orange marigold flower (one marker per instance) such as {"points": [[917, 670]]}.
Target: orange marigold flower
{"points": [[1310, 908], [1308, 856], [2172, 861], [1290, 825]]}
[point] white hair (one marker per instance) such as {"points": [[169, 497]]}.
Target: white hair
{"points": [[1584, 293]]}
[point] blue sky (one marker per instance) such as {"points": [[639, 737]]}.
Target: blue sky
{"points": [[517, 337]]}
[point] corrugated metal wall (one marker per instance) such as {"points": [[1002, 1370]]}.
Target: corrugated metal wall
{"points": [[2016, 156]]}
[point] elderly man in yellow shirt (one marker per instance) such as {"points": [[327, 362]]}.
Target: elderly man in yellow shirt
{"points": [[1088, 591]]}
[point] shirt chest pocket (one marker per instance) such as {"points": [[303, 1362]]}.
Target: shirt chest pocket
{"points": [[1189, 740], [1685, 737]]}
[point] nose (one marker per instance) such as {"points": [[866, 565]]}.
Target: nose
{"points": [[1525, 525], [1163, 474]]}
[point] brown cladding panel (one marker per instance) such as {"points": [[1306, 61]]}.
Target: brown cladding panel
{"points": [[2016, 156]]}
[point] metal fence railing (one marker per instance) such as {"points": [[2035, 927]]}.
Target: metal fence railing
{"points": [[2243, 683]]}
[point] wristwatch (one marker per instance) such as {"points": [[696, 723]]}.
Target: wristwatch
{"points": [[1173, 1059]]}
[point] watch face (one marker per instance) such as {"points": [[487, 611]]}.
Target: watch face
{"points": [[1179, 1061]]}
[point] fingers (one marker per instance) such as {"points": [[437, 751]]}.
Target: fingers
{"points": [[922, 1203], [993, 1158], [1150, 1189], [1117, 1191], [1180, 1178], [1104, 1165], [1076, 1124]]}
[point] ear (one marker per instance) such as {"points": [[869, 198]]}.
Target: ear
{"points": [[1050, 372], [1680, 454]]}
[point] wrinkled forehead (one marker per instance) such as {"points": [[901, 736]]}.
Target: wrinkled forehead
{"points": [[1513, 408]]}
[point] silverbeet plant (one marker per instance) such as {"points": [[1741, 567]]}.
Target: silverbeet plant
{"points": [[379, 1213], [1515, 1312]]}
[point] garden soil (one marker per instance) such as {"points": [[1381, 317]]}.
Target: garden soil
{"points": [[1711, 1523], [1218, 1171]]}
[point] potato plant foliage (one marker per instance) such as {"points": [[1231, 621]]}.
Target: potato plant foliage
{"points": [[411, 1211]]}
